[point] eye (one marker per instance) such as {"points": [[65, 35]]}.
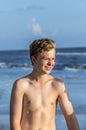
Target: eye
{"points": [[52, 58], [44, 58]]}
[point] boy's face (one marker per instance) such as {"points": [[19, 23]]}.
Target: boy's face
{"points": [[45, 61]]}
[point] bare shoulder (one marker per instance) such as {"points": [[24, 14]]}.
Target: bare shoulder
{"points": [[58, 82], [21, 84], [60, 85]]}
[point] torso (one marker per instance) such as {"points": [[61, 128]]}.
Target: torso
{"points": [[39, 104]]}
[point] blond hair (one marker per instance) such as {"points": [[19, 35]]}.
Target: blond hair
{"points": [[41, 44]]}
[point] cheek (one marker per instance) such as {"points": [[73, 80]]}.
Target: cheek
{"points": [[54, 63], [43, 63], [40, 63]]}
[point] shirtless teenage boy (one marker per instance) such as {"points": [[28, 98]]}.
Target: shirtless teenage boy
{"points": [[34, 97]]}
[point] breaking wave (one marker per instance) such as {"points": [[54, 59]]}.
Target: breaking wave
{"points": [[60, 67]]}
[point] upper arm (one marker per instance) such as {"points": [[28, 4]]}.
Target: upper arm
{"points": [[16, 103], [64, 101], [67, 109]]}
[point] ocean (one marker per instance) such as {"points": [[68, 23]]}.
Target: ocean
{"points": [[70, 67]]}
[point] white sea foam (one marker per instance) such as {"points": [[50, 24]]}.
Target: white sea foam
{"points": [[71, 69], [71, 53], [2, 64]]}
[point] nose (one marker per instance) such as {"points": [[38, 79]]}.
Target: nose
{"points": [[50, 62]]}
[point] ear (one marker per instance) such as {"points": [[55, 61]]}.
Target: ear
{"points": [[33, 60]]}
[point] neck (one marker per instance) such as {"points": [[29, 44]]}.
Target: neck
{"points": [[38, 76]]}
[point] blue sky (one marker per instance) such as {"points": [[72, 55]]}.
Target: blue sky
{"points": [[22, 21]]}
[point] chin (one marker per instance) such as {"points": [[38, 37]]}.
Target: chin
{"points": [[47, 71]]}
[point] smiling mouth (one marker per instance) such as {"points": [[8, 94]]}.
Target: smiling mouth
{"points": [[48, 68]]}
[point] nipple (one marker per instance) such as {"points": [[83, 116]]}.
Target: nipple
{"points": [[27, 112], [28, 102], [51, 103]]}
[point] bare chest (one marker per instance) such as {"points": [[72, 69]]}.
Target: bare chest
{"points": [[36, 98]]}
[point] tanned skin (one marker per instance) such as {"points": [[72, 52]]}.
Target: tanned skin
{"points": [[34, 98]]}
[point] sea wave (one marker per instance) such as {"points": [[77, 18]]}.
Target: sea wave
{"points": [[73, 53], [70, 67], [11, 65], [60, 67]]}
